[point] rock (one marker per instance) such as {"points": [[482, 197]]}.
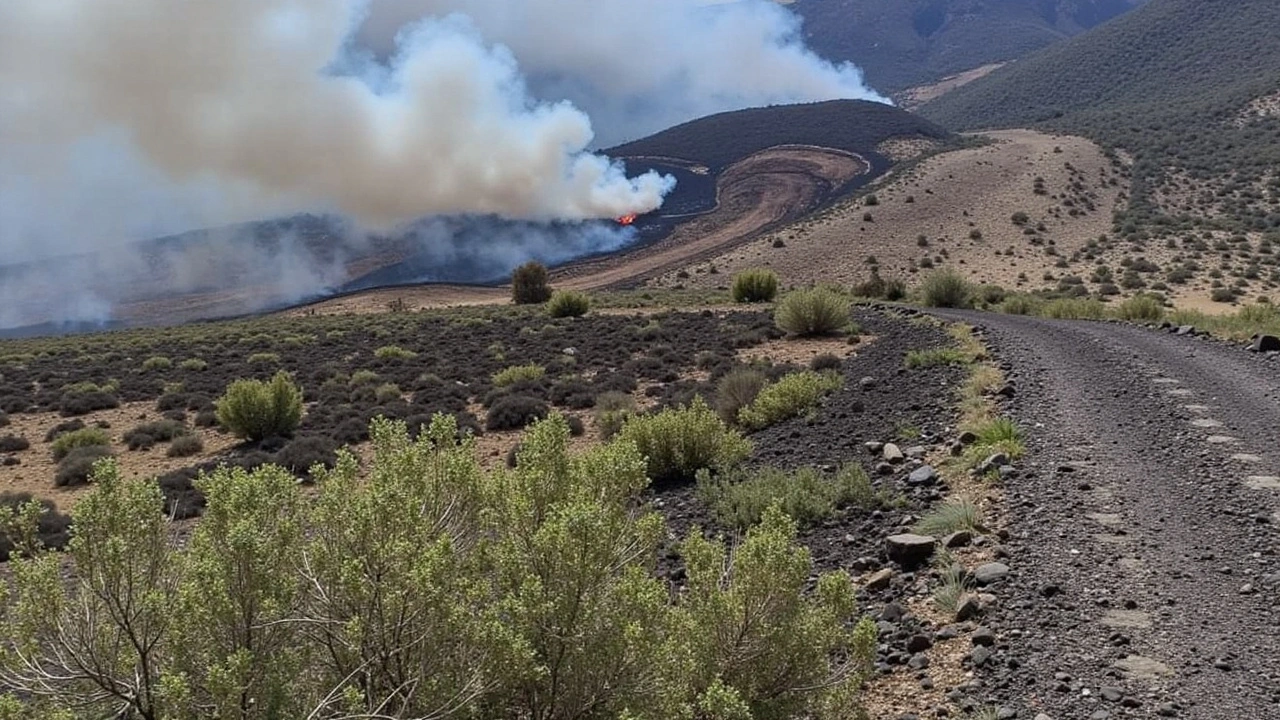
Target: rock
{"points": [[979, 655], [892, 612], [1042, 716], [867, 383], [1185, 330], [1166, 710], [993, 462], [983, 636], [892, 453], [1007, 390], [919, 661], [967, 438], [922, 476], [968, 608], [960, 538], [1100, 715], [884, 468], [879, 580], [1111, 694], [956, 449], [874, 447], [918, 643], [988, 573], [1265, 343], [916, 452], [909, 550]]}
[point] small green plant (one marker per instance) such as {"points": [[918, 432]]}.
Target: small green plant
{"points": [[194, 365], [757, 285], [736, 390], [813, 312], [529, 284], [185, 446], [568, 303], [394, 352], [679, 441], [935, 357], [1074, 309], [1021, 304], [954, 585], [952, 516], [946, 288], [363, 377], [611, 412], [264, 358], [518, 374], [998, 435], [739, 499], [256, 410], [85, 437], [387, 392], [157, 362], [1140, 308], [791, 396]]}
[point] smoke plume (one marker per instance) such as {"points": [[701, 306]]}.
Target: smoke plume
{"points": [[122, 120]]}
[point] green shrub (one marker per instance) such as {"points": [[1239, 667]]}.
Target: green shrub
{"points": [[946, 288], [739, 499], [144, 436], [611, 412], [736, 390], [185, 446], [394, 352], [194, 364], [876, 286], [77, 467], [756, 285], [157, 362], [952, 516], [1141, 308], [264, 358], [387, 392], [529, 284], [935, 357], [792, 395], [568, 303], [812, 312], [363, 377], [13, 443], [1074, 309], [256, 410], [85, 437], [1021, 304], [680, 441], [517, 374]]}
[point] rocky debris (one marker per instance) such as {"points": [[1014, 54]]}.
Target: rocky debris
{"points": [[996, 462], [867, 383], [968, 608], [923, 476], [960, 538], [916, 452], [879, 580], [910, 550], [919, 643], [1185, 330], [1265, 343], [967, 438], [892, 453], [874, 447], [989, 573], [983, 636]]}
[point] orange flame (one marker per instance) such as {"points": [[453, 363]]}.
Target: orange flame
{"points": [[627, 219]]}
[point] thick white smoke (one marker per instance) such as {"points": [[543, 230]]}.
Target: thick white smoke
{"points": [[639, 66]]}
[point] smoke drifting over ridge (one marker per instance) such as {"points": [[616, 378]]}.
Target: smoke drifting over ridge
{"points": [[127, 119]]}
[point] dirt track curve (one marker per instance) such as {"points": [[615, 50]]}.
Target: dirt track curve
{"points": [[1145, 575]]}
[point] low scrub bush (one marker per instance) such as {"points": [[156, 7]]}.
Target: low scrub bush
{"points": [[881, 288], [77, 467], [394, 352], [529, 284], [185, 446], [1074, 309], [304, 453], [1140, 308], [1021, 304], [52, 528], [946, 288], [518, 374], [4, 419], [144, 437], [739, 499], [264, 358], [791, 396], [75, 404], [612, 410], [157, 362], [13, 443], [568, 303], [387, 392], [679, 441], [255, 410], [952, 516], [84, 437], [194, 365], [826, 362], [757, 285], [935, 357], [813, 312], [736, 390], [514, 412], [63, 427]]}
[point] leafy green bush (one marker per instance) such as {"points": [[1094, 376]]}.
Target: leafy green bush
{"points": [[1142, 308], [736, 390], [792, 395], [1021, 304], [157, 362], [387, 392], [84, 437], [568, 303], [194, 364], [816, 311], [518, 374], [757, 285], [394, 352], [529, 284], [876, 286], [264, 358], [739, 499], [946, 288], [256, 410], [679, 441]]}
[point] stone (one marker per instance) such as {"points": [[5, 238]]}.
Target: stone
{"points": [[892, 612], [923, 476], [1043, 716], [980, 655], [1185, 330], [983, 636], [989, 573], [874, 447], [993, 462], [919, 661], [916, 452], [892, 453], [1166, 710], [1265, 343], [967, 438], [918, 643], [960, 538], [879, 580], [867, 383], [884, 468], [908, 549], [1007, 390], [968, 608], [1111, 694]]}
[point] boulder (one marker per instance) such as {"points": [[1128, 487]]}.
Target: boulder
{"points": [[910, 550], [892, 453], [1265, 343], [922, 476], [992, 572]]}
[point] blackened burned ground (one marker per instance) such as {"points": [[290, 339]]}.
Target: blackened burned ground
{"points": [[1143, 531]]}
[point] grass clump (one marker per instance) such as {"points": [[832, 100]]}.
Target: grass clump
{"points": [[611, 412], [946, 288], [1021, 304], [679, 441], [518, 374], [78, 465], [1074, 309], [1140, 308], [791, 396], [568, 303], [145, 436], [84, 437], [194, 365], [935, 357], [529, 284], [739, 499], [394, 352], [997, 435], [736, 390], [813, 312], [157, 362], [757, 285], [950, 517], [255, 410], [955, 584], [264, 358], [185, 446]]}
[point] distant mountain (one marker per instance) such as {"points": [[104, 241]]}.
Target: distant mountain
{"points": [[904, 43], [1189, 88]]}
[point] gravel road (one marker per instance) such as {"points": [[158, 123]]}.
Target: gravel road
{"points": [[1143, 540]]}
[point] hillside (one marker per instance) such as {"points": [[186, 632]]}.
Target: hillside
{"points": [[1183, 86], [903, 43]]}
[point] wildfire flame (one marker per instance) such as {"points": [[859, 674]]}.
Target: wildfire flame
{"points": [[627, 219]]}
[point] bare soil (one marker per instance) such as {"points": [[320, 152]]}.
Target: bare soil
{"points": [[917, 96]]}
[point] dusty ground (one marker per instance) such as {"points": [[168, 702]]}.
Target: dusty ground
{"points": [[917, 96], [946, 199]]}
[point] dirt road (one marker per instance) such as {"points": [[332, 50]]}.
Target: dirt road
{"points": [[1145, 579]]}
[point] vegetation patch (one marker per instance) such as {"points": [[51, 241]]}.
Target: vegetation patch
{"points": [[677, 442], [739, 499], [791, 396], [813, 312], [255, 410], [757, 285]]}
